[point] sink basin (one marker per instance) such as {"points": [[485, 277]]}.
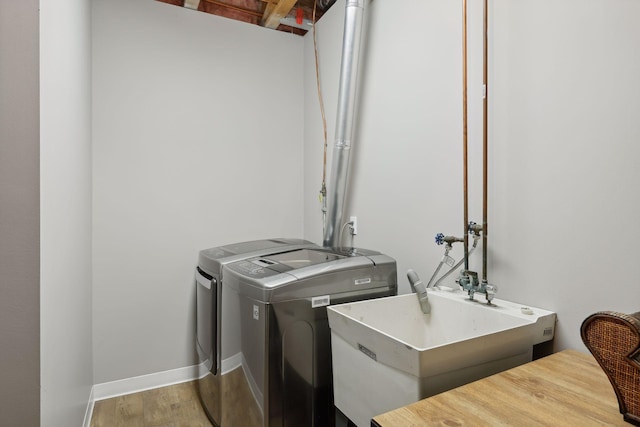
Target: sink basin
{"points": [[387, 353]]}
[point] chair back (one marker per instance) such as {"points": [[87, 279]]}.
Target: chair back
{"points": [[614, 341]]}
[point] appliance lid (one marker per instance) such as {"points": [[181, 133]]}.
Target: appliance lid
{"points": [[285, 262], [212, 259], [300, 263], [310, 272], [299, 258]]}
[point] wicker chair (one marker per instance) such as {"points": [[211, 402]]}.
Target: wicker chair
{"points": [[614, 340]]}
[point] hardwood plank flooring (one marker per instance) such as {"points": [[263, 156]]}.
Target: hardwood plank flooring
{"points": [[173, 406]]}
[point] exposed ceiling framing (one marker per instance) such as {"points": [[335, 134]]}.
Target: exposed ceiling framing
{"points": [[291, 16], [274, 12]]}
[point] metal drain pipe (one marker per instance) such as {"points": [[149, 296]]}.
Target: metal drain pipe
{"points": [[344, 122]]}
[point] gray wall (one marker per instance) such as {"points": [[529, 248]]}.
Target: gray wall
{"points": [[19, 215], [564, 131], [65, 208], [197, 142]]}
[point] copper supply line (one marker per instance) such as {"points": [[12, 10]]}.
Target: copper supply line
{"points": [[465, 114], [485, 151]]}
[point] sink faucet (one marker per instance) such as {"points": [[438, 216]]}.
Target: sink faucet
{"points": [[420, 290], [468, 280]]}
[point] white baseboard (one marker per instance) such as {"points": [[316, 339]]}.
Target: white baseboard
{"points": [[89, 412], [144, 382]]}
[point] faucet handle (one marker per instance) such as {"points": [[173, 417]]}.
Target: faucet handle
{"points": [[490, 292], [474, 228], [442, 239]]}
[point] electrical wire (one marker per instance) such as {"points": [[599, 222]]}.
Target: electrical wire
{"points": [[323, 187]]}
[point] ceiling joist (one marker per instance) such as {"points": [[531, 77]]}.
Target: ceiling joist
{"points": [[275, 11], [192, 4], [281, 15]]}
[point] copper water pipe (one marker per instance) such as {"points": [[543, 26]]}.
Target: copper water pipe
{"points": [[485, 151], [465, 136]]}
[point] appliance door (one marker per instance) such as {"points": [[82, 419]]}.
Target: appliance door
{"points": [[208, 342], [299, 366]]}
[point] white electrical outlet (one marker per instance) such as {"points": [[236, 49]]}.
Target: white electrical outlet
{"points": [[354, 225]]}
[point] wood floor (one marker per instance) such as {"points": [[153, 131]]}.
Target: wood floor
{"points": [[173, 406]]}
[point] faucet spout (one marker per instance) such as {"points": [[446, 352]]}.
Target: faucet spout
{"points": [[468, 280], [420, 290]]}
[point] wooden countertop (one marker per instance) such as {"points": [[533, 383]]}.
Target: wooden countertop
{"points": [[565, 389]]}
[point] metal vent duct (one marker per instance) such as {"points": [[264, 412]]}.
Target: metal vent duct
{"points": [[344, 122]]}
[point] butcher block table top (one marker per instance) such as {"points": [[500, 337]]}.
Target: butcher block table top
{"points": [[565, 389]]}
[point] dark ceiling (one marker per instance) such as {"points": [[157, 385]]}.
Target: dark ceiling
{"points": [[291, 16]]}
